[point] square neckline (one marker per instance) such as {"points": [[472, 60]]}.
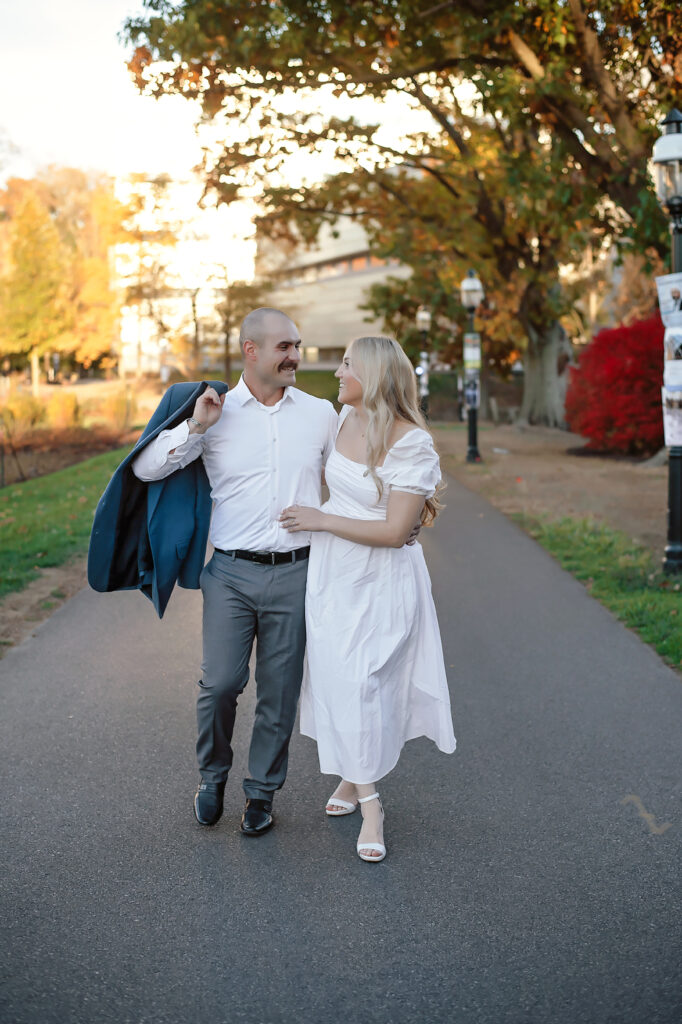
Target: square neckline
{"points": [[388, 451]]}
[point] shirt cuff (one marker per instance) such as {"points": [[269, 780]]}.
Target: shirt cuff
{"points": [[181, 441]]}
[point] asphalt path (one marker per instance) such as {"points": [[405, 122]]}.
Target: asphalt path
{"points": [[532, 876]]}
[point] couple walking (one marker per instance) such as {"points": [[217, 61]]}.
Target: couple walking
{"points": [[374, 675]]}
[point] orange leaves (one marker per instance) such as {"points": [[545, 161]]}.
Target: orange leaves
{"points": [[391, 38], [138, 64]]}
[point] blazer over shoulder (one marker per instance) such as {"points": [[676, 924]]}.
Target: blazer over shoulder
{"points": [[148, 536]]}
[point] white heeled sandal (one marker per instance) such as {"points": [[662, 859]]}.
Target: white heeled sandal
{"points": [[336, 801], [379, 847]]}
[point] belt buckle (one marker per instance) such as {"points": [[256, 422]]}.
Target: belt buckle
{"points": [[272, 558]]}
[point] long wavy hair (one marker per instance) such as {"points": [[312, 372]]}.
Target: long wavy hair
{"points": [[389, 392]]}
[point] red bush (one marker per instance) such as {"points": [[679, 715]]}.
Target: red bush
{"points": [[614, 394]]}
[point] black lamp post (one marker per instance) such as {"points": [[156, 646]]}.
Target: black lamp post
{"points": [[472, 295], [423, 319], [667, 158]]}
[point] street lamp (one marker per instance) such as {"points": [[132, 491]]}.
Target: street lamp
{"points": [[472, 294], [423, 319], [667, 159]]}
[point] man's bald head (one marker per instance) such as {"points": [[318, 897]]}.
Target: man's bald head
{"points": [[260, 324], [270, 345]]}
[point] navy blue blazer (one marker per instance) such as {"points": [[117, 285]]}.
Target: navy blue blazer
{"points": [[148, 536]]}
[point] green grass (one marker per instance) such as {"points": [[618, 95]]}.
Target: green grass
{"points": [[621, 575], [45, 522], [320, 383]]}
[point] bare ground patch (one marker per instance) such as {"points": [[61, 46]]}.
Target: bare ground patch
{"points": [[531, 471], [22, 612]]}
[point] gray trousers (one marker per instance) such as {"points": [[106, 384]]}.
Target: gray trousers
{"points": [[244, 601]]}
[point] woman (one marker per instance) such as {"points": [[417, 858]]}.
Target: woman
{"points": [[375, 675]]}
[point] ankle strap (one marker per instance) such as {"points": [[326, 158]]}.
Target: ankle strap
{"points": [[364, 799]]}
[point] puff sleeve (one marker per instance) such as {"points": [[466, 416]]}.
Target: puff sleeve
{"points": [[413, 465]]}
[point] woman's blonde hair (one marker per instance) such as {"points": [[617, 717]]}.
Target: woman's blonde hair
{"points": [[389, 392]]}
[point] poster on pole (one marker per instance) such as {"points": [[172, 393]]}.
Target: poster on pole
{"points": [[672, 416], [670, 299], [672, 345], [472, 393], [672, 372], [472, 352]]}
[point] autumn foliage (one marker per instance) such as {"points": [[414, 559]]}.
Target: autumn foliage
{"points": [[614, 394]]}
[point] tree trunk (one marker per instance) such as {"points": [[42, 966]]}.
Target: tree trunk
{"points": [[546, 376], [227, 361], [35, 373], [196, 340]]}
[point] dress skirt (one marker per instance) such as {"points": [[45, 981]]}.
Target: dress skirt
{"points": [[374, 675]]}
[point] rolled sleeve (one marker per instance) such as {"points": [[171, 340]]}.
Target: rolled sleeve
{"points": [[171, 450]]}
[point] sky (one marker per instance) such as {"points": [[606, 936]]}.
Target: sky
{"points": [[66, 96]]}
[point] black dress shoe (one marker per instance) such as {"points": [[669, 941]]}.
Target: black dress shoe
{"points": [[208, 802], [257, 817]]}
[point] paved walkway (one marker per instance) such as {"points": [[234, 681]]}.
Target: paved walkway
{"points": [[533, 876]]}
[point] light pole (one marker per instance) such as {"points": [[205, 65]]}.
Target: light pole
{"points": [[423, 319], [472, 294], [668, 163]]}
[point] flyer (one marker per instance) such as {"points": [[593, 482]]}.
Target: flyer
{"points": [[672, 417], [672, 374], [670, 299], [672, 343], [472, 352], [472, 394]]}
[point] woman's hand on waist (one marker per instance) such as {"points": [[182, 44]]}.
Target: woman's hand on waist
{"points": [[301, 518]]}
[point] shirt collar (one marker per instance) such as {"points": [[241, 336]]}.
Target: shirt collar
{"points": [[241, 393]]}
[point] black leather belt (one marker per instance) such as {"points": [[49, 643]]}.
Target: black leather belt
{"points": [[269, 557]]}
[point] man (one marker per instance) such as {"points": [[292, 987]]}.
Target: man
{"points": [[263, 445]]}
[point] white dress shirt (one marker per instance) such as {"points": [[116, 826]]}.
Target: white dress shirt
{"points": [[259, 459]]}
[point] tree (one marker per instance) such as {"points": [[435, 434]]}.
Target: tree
{"points": [[32, 297], [89, 221], [580, 84], [234, 300], [143, 259]]}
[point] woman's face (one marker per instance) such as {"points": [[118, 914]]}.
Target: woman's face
{"points": [[350, 388]]}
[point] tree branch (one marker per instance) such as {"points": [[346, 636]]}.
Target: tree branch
{"points": [[441, 118], [526, 56], [595, 71]]}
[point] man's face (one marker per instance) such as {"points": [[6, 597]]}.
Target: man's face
{"points": [[675, 293], [278, 355]]}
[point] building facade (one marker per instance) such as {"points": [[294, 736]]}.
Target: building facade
{"points": [[322, 288], [172, 272]]}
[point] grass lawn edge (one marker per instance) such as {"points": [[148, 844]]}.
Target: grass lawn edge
{"points": [[46, 522], [619, 573]]}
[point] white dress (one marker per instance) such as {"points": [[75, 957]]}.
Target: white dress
{"points": [[374, 675]]}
